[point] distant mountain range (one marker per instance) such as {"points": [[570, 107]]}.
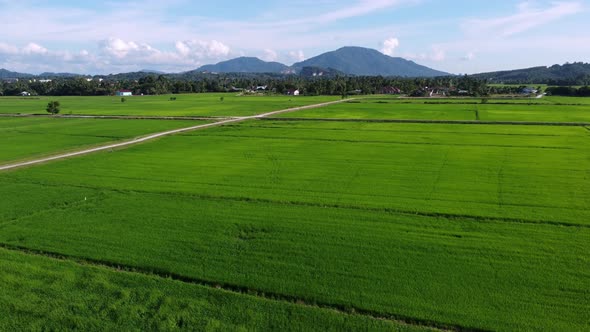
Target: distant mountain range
{"points": [[368, 62], [48, 75], [5, 74], [577, 73], [344, 61], [245, 65], [347, 60], [151, 71], [354, 61]]}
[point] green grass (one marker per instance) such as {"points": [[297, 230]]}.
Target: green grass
{"points": [[372, 109], [555, 100], [519, 172], [476, 226], [35, 137], [543, 86], [540, 113], [208, 104], [39, 293], [453, 110]]}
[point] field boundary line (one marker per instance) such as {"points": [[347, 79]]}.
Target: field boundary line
{"points": [[115, 117], [393, 142], [153, 136], [447, 215], [243, 290], [466, 122]]}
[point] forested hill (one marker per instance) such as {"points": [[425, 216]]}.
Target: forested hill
{"points": [[245, 65], [368, 62], [577, 73], [7, 74]]}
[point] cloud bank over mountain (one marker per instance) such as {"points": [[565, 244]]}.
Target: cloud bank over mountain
{"points": [[180, 35]]}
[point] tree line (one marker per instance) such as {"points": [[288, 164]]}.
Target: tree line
{"points": [[280, 84], [568, 91], [199, 83], [569, 74]]}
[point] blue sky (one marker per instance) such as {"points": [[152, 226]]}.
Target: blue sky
{"points": [[99, 37]]}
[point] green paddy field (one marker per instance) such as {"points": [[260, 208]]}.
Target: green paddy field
{"points": [[210, 105], [549, 109], [28, 138], [302, 224]]}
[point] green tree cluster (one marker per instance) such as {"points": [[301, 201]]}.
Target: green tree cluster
{"points": [[53, 107]]}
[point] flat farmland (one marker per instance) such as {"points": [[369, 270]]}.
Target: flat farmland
{"points": [[461, 170], [28, 138], [553, 100], [451, 109], [205, 104], [131, 301], [446, 225]]}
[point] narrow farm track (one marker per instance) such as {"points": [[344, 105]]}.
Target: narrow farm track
{"points": [[469, 122], [150, 137], [237, 289]]}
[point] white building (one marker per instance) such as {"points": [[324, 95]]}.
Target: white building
{"points": [[124, 93]]}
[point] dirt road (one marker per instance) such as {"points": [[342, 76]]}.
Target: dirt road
{"points": [[158, 135]]}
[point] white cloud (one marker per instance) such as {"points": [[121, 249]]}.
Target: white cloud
{"points": [[115, 54], [119, 48], [200, 49], [146, 32], [499, 42], [8, 49], [183, 48], [33, 48], [36, 58], [361, 8], [186, 55], [83, 57], [270, 55], [148, 37], [436, 54], [389, 46], [528, 16], [297, 56]]}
